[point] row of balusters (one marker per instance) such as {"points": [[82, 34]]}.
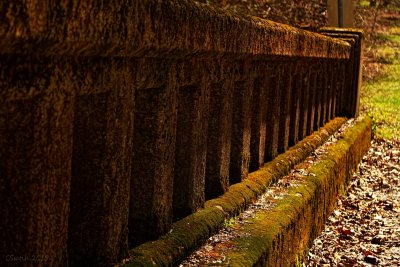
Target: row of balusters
{"points": [[102, 154]]}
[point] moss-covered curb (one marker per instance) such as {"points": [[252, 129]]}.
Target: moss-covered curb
{"points": [[282, 235], [188, 233], [241, 195]]}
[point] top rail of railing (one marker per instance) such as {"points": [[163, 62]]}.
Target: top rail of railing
{"points": [[150, 28]]}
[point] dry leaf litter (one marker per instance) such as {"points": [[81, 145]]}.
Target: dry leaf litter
{"points": [[364, 229]]}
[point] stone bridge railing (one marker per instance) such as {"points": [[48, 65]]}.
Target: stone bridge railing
{"points": [[118, 118]]}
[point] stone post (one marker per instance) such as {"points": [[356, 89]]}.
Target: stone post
{"points": [[297, 92], [36, 122], [287, 78], [318, 102], [312, 99], [102, 154], [305, 98], [333, 75], [341, 89], [241, 123], [155, 116], [273, 111], [324, 88], [219, 133], [191, 138], [258, 123]]}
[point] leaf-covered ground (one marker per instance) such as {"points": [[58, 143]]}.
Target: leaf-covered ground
{"points": [[364, 230]]}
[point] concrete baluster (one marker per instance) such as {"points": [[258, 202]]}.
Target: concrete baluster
{"points": [[312, 98], [36, 122], [355, 68], [258, 123], [297, 92], [219, 134], [358, 58], [273, 112], [102, 154], [334, 84], [341, 89], [286, 79], [241, 123], [155, 115], [329, 91], [318, 96], [324, 87], [191, 142], [305, 98]]}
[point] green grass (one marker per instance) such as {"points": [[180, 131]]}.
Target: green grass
{"points": [[364, 3], [395, 31], [394, 6], [380, 98], [390, 37]]}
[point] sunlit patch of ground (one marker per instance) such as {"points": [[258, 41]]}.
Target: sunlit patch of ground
{"points": [[380, 97]]}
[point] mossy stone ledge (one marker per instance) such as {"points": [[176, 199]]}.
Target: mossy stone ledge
{"points": [[190, 232], [282, 235]]}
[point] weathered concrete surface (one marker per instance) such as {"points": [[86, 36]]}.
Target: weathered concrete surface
{"points": [[155, 116], [191, 138], [44, 118], [273, 112], [319, 89], [296, 94], [241, 122], [341, 89], [311, 101], [219, 132], [324, 88], [137, 28], [281, 236], [190, 232], [101, 158], [259, 119], [331, 89], [305, 87], [36, 118], [285, 88]]}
